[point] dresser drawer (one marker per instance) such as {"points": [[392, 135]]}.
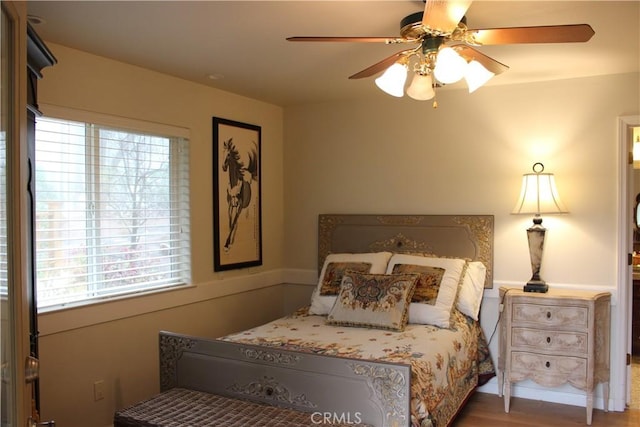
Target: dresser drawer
{"points": [[549, 370], [549, 340], [551, 315]]}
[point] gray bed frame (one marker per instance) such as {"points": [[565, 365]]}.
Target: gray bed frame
{"points": [[347, 390]]}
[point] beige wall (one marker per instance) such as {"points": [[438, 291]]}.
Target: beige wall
{"points": [[385, 155], [388, 155], [123, 353], [117, 342]]}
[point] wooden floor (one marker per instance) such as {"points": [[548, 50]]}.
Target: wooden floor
{"points": [[487, 410]]}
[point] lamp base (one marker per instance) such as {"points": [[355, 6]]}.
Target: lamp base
{"points": [[535, 235], [539, 287]]}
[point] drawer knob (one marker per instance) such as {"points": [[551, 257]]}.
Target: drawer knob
{"points": [[548, 364], [548, 315], [548, 340]]}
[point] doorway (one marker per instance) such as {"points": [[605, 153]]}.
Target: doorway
{"points": [[634, 185], [621, 374]]}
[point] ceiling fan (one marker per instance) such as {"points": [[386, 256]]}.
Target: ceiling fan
{"points": [[444, 52]]}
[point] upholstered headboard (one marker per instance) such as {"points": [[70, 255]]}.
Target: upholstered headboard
{"points": [[459, 236]]}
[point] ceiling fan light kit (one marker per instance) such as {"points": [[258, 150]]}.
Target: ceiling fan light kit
{"points": [[436, 62]]}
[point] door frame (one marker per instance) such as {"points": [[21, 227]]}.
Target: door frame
{"points": [[17, 229], [621, 375]]}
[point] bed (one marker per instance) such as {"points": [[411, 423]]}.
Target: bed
{"points": [[391, 336]]}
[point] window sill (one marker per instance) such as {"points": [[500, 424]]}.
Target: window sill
{"points": [[74, 317]]}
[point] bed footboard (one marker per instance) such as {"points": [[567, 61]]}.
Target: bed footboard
{"points": [[330, 389]]}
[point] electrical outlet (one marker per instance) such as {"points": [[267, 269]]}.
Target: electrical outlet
{"points": [[98, 390]]}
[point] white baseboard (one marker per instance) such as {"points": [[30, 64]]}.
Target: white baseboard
{"points": [[574, 397]]}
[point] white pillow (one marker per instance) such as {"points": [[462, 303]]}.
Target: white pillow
{"points": [[438, 314], [322, 304], [472, 289]]}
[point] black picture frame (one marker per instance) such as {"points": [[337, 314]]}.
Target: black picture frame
{"points": [[237, 195]]}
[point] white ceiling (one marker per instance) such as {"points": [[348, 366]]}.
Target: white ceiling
{"points": [[244, 41]]}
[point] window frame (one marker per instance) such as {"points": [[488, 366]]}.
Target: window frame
{"points": [[117, 123]]}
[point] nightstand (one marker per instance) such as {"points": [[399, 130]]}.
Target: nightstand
{"points": [[555, 338]]}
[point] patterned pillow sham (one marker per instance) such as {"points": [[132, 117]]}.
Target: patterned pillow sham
{"points": [[324, 295], [438, 314], [378, 301], [332, 278], [428, 283]]}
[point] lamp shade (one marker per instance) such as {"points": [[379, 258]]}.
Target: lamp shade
{"points": [[393, 79], [476, 75], [421, 87], [539, 194], [450, 66]]}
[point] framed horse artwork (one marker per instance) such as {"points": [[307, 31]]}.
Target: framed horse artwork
{"points": [[237, 215]]}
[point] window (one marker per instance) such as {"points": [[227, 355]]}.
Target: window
{"points": [[112, 212]]}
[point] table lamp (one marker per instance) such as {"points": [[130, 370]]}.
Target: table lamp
{"points": [[538, 195]]}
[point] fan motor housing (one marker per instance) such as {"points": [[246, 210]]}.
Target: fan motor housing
{"points": [[411, 26]]}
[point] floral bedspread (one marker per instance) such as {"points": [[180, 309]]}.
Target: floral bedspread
{"points": [[446, 364]]}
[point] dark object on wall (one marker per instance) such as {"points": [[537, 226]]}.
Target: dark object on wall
{"points": [[237, 195]]}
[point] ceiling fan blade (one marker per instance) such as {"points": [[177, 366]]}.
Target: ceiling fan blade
{"points": [[489, 63], [443, 16], [379, 66], [544, 34], [388, 40]]}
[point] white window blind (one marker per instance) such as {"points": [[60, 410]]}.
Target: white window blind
{"points": [[112, 212]]}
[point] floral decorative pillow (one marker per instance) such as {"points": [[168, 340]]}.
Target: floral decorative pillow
{"points": [[324, 296], [373, 300], [438, 314]]}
